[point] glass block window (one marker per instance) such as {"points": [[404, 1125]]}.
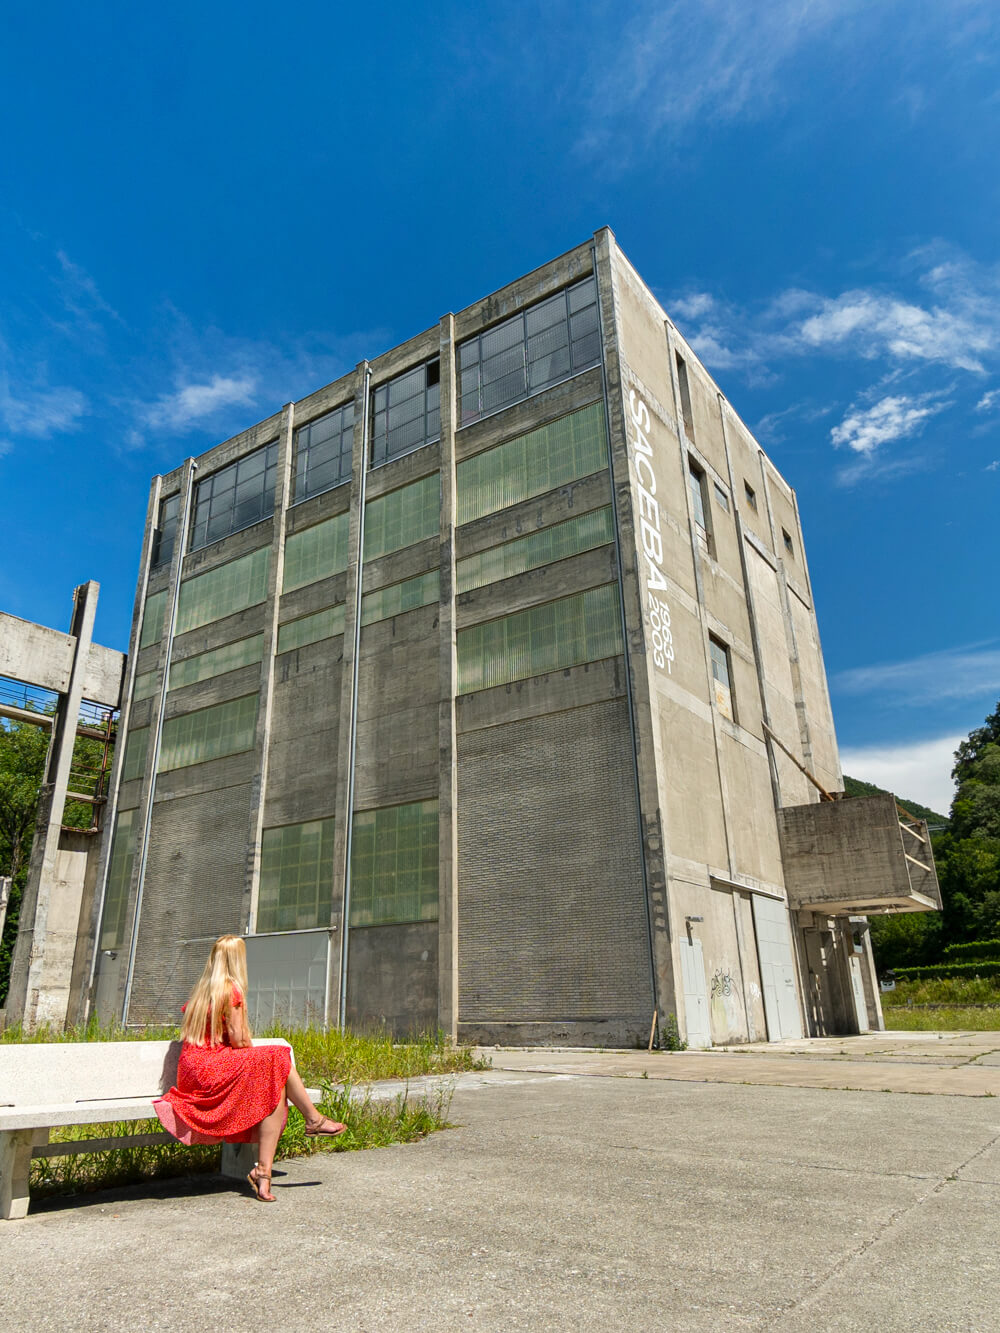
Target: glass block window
{"points": [[152, 619], [119, 880], [166, 531], [209, 733], [722, 688], [394, 865], [406, 413], [230, 657], [310, 629], [539, 548], [316, 552], [235, 496], [540, 346], [323, 452], [296, 876], [399, 597], [403, 517], [145, 685], [223, 591], [583, 628], [134, 763], [573, 446]]}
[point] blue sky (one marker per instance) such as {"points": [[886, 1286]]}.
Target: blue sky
{"points": [[209, 210]]}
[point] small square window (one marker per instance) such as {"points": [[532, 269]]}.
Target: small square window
{"points": [[786, 538], [721, 497], [751, 495]]}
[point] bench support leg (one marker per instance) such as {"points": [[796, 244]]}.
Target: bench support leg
{"points": [[238, 1160], [15, 1168]]}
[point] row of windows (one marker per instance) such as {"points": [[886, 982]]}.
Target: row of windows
{"points": [[536, 348], [539, 548], [209, 733], [698, 485], [311, 629], [394, 870]]}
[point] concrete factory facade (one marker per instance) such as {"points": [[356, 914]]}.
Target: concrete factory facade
{"points": [[482, 689]]}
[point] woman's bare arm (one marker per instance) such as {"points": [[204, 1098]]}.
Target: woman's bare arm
{"points": [[236, 1026]]}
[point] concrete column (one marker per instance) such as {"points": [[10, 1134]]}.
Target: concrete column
{"points": [[348, 694], [447, 738], [42, 967], [276, 572]]}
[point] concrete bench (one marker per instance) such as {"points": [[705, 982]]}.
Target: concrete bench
{"points": [[45, 1085]]}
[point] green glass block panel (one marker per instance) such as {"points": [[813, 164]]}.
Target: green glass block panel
{"points": [[144, 686], [583, 628], [296, 876], [403, 517], [223, 591], [394, 865], [573, 446], [209, 733], [152, 619], [310, 629], [398, 597], [538, 548], [316, 552], [230, 657], [119, 879], [134, 763]]}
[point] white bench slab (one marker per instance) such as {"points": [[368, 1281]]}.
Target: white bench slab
{"points": [[49, 1084]]}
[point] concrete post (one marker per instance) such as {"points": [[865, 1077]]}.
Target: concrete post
{"points": [[42, 967]]}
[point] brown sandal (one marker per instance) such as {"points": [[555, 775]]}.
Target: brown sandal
{"points": [[254, 1181], [324, 1125]]}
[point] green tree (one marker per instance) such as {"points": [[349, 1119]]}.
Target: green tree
{"points": [[23, 748]]}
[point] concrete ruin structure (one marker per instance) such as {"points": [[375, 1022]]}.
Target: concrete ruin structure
{"points": [[50, 969], [482, 689]]}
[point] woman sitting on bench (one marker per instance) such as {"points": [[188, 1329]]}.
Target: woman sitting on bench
{"points": [[229, 1090]]}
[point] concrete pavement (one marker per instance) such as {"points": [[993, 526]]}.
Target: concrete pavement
{"points": [[564, 1201]]}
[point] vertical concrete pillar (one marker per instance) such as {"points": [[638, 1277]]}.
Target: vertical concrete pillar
{"points": [[276, 573], [447, 739], [42, 966]]}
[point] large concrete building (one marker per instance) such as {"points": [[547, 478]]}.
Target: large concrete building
{"points": [[482, 689]]}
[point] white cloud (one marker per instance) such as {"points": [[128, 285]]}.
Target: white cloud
{"points": [[892, 418], [39, 413], [80, 294], [992, 467], [967, 672], [189, 405], [918, 771], [877, 324], [989, 401], [5, 447]]}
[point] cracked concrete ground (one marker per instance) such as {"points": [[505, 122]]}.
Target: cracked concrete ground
{"points": [[565, 1201]]}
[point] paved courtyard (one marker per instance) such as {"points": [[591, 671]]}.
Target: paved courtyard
{"points": [[744, 1190]]}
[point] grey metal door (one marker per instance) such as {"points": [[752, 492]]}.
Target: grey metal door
{"points": [[777, 968], [699, 1031]]}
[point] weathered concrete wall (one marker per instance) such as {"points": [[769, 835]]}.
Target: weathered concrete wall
{"points": [[392, 978]]}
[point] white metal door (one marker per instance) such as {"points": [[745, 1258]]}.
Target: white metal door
{"points": [[777, 968], [858, 987], [699, 1031]]}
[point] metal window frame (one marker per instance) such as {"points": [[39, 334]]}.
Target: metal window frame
{"points": [[203, 481], [374, 463]]}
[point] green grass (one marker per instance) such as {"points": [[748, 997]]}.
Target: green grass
{"points": [[948, 992], [333, 1061], [943, 1018]]}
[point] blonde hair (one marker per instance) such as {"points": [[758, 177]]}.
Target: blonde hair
{"points": [[212, 996]]}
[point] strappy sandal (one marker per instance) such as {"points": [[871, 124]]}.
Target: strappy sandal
{"points": [[324, 1125], [254, 1181]]}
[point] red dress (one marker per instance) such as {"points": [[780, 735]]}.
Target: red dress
{"points": [[223, 1092]]}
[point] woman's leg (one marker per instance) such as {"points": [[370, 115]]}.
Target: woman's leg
{"points": [[316, 1122], [269, 1131]]}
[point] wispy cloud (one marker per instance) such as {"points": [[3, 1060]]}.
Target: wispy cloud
{"points": [[968, 672], [80, 294], [190, 405], [40, 412], [989, 401], [892, 418], [917, 770], [992, 467]]}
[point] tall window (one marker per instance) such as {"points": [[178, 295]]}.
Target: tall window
{"points": [[136, 747], [323, 452], [685, 392], [394, 864], [220, 592], [540, 346], [152, 619], [235, 497], [406, 413], [719, 655], [696, 484], [119, 879], [585, 627], [296, 876], [572, 446], [166, 531]]}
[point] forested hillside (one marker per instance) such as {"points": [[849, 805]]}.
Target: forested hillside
{"points": [[855, 787]]}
